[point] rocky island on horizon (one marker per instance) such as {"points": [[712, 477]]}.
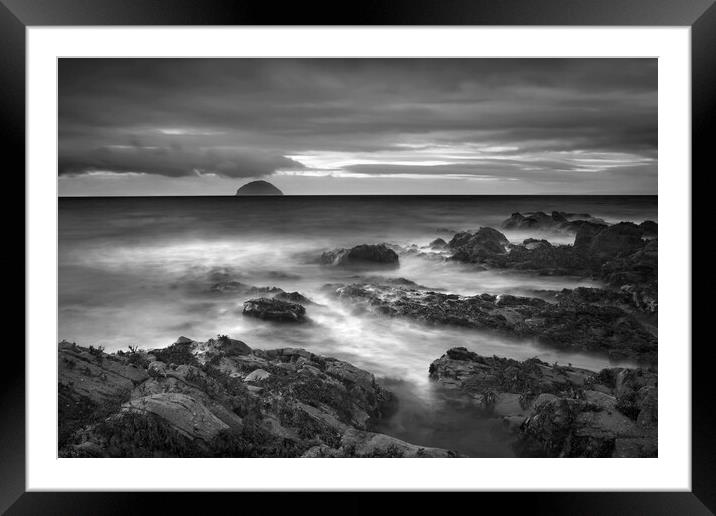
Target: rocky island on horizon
{"points": [[258, 188]]}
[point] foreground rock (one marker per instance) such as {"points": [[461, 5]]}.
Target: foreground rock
{"points": [[92, 383], [568, 323], [272, 309], [220, 398], [559, 411], [361, 255]]}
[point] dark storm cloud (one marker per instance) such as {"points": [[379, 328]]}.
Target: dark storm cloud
{"points": [[247, 117], [173, 161]]}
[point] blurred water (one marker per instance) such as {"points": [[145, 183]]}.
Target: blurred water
{"points": [[137, 271]]}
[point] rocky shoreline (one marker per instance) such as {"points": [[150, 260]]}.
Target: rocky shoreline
{"points": [[221, 398]]}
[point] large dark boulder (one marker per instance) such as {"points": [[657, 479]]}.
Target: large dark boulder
{"points": [[274, 310], [476, 246], [361, 255]]}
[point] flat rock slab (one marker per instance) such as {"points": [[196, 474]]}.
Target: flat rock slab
{"points": [[183, 413], [97, 377]]}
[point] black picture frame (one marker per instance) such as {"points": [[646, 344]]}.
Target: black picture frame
{"points": [[17, 15]]}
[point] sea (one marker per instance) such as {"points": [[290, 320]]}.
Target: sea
{"points": [[138, 271]]}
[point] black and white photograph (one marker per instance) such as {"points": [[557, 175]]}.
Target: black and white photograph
{"points": [[357, 257]]}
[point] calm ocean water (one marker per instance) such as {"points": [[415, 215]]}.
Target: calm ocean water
{"points": [[137, 271]]}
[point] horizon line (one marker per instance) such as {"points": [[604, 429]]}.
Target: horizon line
{"points": [[376, 195]]}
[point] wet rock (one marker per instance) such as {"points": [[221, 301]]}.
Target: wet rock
{"points": [[274, 310], [573, 325], [479, 245], [558, 411], [364, 254]]}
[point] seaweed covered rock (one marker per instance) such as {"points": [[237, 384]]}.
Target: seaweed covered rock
{"points": [[274, 310], [569, 323], [559, 411], [284, 402]]}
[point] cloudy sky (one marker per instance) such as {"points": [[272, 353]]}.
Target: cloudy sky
{"points": [[358, 126]]}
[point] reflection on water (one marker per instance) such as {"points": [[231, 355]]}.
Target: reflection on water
{"points": [[137, 271]]}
